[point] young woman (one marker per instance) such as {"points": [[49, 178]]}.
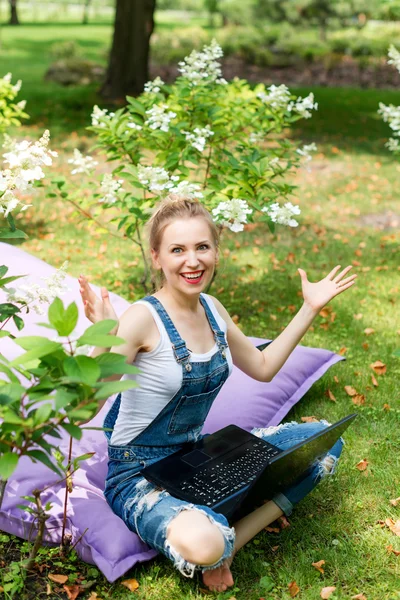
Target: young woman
{"points": [[184, 343]]}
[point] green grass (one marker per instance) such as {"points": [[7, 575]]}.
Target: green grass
{"points": [[352, 177]]}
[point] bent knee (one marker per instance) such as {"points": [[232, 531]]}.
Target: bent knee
{"points": [[195, 538]]}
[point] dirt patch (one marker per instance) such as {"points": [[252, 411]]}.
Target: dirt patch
{"points": [[345, 71], [382, 221]]}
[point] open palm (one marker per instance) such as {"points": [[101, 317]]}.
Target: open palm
{"points": [[318, 294], [96, 309]]}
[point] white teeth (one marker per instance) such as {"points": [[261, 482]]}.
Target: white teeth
{"points": [[193, 276]]}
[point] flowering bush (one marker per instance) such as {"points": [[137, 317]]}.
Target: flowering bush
{"points": [[391, 113], [202, 137]]}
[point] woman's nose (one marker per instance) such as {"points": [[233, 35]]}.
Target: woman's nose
{"points": [[192, 259]]}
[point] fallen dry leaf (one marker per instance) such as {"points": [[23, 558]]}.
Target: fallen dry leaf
{"points": [[58, 578], [325, 312], [318, 566], [394, 526], [274, 548], [362, 465], [359, 597], [48, 589], [365, 345], [336, 379], [293, 589], [379, 367], [358, 399], [358, 316], [272, 529], [350, 390], [395, 501], [386, 407], [330, 395], [309, 419], [73, 591], [131, 584], [369, 331], [326, 592], [94, 596], [390, 549], [343, 350], [283, 522], [374, 381]]}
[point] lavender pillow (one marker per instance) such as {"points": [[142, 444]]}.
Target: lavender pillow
{"points": [[107, 542]]}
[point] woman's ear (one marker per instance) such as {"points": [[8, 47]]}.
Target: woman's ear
{"points": [[154, 259]]}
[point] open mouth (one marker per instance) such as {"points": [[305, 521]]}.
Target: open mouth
{"points": [[193, 278]]}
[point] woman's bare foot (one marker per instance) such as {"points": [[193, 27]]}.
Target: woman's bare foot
{"points": [[219, 579]]}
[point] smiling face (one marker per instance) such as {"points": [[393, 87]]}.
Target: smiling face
{"points": [[187, 255]]}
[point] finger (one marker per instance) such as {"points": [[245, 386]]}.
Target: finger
{"points": [[332, 274], [342, 273], [344, 287], [303, 275], [347, 280]]}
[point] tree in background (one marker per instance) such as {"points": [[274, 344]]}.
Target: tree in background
{"points": [[86, 7], [128, 63], [13, 13], [321, 13]]}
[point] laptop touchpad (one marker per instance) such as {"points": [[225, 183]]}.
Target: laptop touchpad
{"points": [[195, 458]]}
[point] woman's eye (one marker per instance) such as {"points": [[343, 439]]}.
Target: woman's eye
{"points": [[204, 247], [176, 250]]}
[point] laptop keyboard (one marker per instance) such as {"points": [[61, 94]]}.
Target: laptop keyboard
{"points": [[219, 480]]}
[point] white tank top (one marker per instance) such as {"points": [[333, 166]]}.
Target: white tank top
{"points": [[159, 380]]}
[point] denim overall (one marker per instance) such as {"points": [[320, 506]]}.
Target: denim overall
{"points": [[146, 509]]}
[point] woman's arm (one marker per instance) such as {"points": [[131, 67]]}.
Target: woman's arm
{"points": [[264, 365]]}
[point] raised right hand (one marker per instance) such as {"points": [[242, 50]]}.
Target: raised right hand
{"points": [[96, 309]]}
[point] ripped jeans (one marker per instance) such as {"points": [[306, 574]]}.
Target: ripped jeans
{"points": [[147, 511]]}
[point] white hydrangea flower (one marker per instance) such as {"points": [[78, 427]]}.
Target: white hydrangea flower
{"points": [[393, 145], [110, 188], [185, 188], [306, 150], [394, 56], [278, 96], [134, 126], [202, 66], [274, 162], [283, 215], [83, 164], [8, 202], [25, 159], [391, 115], [304, 106], [198, 138], [232, 214], [159, 117], [7, 78], [21, 104], [156, 179], [153, 87], [256, 136], [34, 295], [99, 115]]}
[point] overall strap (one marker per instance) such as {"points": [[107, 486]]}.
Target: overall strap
{"points": [[181, 353], [219, 335]]}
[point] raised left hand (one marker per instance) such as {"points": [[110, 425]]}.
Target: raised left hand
{"points": [[317, 295]]}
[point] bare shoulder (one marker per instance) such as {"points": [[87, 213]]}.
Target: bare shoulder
{"points": [[136, 323], [221, 309]]}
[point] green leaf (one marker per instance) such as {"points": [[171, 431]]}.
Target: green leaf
{"points": [[8, 280], [42, 413], [8, 234], [136, 105], [13, 378], [63, 398], [14, 390], [101, 327], [3, 270], [114, 364], [112, 387], [43, 458], [100, 341], [8, 464], [19, 323], [4, 333], [82, 369], [73, 430], [63, 320], [266, 583], [45, 347]]}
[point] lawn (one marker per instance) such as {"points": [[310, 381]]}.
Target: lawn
{"points": [[349, 202]]}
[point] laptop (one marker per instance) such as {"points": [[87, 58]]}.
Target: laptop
{"points": [[232, 471]]}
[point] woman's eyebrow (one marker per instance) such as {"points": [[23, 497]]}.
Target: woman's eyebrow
{"points": [[196, 244]]}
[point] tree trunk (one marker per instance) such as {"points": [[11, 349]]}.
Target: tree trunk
{"points": [[85, 19], [13, 13], [128, 68]]}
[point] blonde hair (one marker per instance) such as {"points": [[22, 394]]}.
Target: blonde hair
{"points": [[175, 206]]}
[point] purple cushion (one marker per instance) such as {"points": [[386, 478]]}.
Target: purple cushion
{"points": [[108, 543]]}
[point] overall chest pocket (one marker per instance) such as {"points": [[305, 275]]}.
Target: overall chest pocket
{"points": [[191, 411]]}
